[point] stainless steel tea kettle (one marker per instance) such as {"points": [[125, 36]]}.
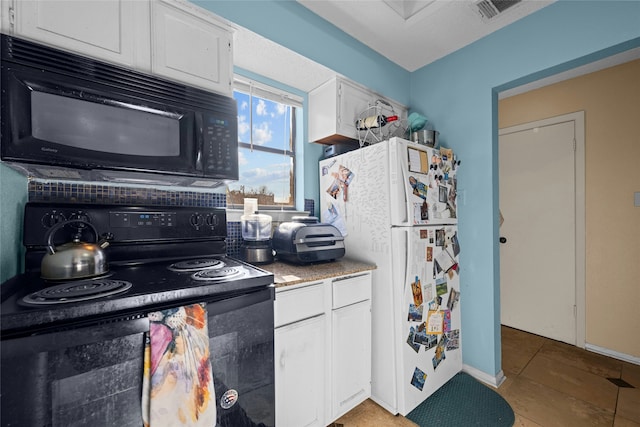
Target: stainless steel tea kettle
{"points": [[75, 259]]}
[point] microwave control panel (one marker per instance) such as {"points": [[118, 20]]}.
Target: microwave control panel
{"points": [[220, 146]]}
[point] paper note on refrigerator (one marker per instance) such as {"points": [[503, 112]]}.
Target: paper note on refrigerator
{"points": [[418, 161], [444, 260]]}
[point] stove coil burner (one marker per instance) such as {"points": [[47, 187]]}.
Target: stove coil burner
{"points": [[196, 264], [219, 274], [77, 291]]}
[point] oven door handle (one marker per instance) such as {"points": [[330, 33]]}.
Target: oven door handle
{"points": [[53, 340]]}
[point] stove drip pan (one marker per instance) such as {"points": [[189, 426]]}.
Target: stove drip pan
{"points": [[196, 264], [219, 274], [77, 291]]}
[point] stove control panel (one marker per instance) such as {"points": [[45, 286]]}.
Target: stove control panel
{"points": [[142, 219], [126, 223]]}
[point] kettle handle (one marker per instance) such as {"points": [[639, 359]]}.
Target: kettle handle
{"points": [[50, 249]]}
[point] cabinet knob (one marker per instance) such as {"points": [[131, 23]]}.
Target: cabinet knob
{"points": [[503, 239]]}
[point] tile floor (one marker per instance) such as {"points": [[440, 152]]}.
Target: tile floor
{"points": [[549, 384]]}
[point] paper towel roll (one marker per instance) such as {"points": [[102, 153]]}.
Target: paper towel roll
{"points": [[250, 206]]}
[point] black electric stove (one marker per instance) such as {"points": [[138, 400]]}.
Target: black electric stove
{"points": [[159, 257]]}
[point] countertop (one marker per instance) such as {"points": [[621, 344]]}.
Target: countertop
{"points": [[286, 274]]}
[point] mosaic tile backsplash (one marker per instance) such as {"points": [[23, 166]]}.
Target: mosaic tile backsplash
{"points": [[107, 194]]}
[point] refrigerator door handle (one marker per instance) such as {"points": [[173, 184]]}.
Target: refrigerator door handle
{"points": [[408, 259]]}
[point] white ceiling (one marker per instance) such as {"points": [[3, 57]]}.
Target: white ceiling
{"points": [[431, 30], [414, 33]]}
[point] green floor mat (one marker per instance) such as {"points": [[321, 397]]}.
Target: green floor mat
{"points": [[463, 401]]}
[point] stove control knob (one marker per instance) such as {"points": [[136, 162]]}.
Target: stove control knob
{"points": [[196, 220], [80, 216], [52, 218], [212, 220]]}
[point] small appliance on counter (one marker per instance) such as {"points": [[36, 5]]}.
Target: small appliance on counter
{"points": [[306, 240], [256, 235]]}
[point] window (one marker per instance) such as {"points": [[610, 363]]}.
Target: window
{"points": [[267, 132]]}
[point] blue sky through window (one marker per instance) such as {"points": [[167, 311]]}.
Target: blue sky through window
{"points": [[271, 129]]}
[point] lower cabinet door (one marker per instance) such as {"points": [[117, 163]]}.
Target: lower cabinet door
{"points": [[351, 354], [299, 368]]}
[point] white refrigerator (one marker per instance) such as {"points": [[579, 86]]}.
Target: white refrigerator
{"points": [[395, 204]]}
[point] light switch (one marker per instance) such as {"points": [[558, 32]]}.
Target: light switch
{"points": [[636, 199]]}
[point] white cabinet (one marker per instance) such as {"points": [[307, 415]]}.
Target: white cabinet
{"points": [[299, 373], [351, 343], [300, 355], [170, 38], [193, 48], [335, 106], [116, 31], [322, 349]]}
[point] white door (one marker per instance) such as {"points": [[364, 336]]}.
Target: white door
{"points": [[299, 373], [538, 203], [351, 354]]}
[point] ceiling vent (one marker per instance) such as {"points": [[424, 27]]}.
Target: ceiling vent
{"points": [[489, 9]]}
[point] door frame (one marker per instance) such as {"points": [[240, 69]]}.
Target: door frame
{"points": [[580, 225]]}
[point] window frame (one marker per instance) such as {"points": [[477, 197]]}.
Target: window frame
{"points": [[295, 102]]}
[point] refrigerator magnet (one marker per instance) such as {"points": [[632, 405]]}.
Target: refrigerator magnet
{"points": [[419, 187], [434, 322], [446, 322], [453, 340], [411, 340], [452, 301], [415, 313], [439, 357], [429, 254], [442, 194], [427, 292], [418, 379], [416, 289], [432, 341], [441, 287], [420, 336], [435, 304]]}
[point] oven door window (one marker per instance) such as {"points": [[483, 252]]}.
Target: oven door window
{"points": [[95, 126], [67, 379]]}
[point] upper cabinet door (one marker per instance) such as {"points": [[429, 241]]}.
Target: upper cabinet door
{"points": [[335, 106], [110, 30], [192, 48]]}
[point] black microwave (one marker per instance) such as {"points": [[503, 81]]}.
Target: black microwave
{"points": [[72, 117]]}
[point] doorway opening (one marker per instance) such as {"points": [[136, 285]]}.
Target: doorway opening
{"points": [[542, 250]]}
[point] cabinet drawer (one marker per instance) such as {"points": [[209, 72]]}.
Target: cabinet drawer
{"points": [[352, 289], [299, 303]]}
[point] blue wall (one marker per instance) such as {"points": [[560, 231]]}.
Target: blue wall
{"points": [[459, 96], [456, 93], [13, 192]]}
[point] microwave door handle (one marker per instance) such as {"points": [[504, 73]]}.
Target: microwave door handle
{"points": [[199, 146]]}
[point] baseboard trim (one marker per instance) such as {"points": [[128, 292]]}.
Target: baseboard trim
{"points": [[492, 380], [616, 355], [384, 405]]}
